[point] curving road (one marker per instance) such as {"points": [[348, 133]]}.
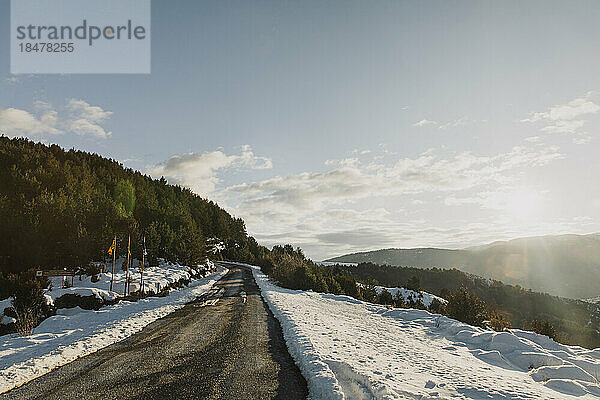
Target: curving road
{"points": [[224, 345]]}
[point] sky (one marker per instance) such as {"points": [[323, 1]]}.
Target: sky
{"points": [[343, 126]]}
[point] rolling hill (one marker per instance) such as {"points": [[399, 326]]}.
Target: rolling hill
{"points": [[564, 265]]}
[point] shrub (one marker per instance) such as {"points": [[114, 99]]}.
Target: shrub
{"points": [[368, 293], [416, 302], [385, 297], [543, 328], [74, 300], [499, 322], [399, 300], [466, 307], [29, 304], [26, 321], [437, 307]]}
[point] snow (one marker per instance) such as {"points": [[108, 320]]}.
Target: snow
{"points": [[155, 279], [81, 291], [216, 245], [74, 333], [6, 303], [333, 264], [349, 349], [594, 300], [407, 295]]}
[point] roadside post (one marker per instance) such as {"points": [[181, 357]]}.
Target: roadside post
{"points": [[126, 291], [113, 251], [142, 267]]}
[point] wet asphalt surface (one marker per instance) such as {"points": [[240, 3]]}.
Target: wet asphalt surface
{"points": [[224, 345]]}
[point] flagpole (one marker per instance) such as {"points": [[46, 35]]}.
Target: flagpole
{"points": [[126, 293], [142, 268], [112, 277]]}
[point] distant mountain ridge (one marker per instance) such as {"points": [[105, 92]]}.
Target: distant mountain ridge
{"points": [[563, 265]]}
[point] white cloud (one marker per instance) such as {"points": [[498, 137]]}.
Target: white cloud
{"points": [[85, 119], [567, 118], [533, 139], [84, 110], [361, 152], [571, 110], [15, 122], [78, 117], [84, 126], [347, 162], [358, 203], [450, 124], [280, 202], [458, 122], [582, 138], [424, 122], [502, 199], [250, 160], [564, 126], [198, 171]]}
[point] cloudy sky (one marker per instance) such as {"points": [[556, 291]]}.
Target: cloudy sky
{"points": [[342, 126]]}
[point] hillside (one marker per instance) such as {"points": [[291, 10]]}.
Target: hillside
{"points": [[566, 265], [62, 209], [576, 321], [358, 350]]}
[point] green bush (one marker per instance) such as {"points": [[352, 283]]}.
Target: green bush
{"points": [[399, 300], [543, 328], [466, 307], [499, 322], [437, 307], [385, 297], [29, 304]]}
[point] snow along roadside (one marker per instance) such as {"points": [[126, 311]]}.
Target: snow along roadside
{"points": [[322, 382], [351, 349], [61, 339]]}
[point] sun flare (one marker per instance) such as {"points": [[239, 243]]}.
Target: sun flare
{"points": [[523, 203]]}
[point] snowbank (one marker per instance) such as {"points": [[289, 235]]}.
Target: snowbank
{"points": [[408, 295], [594, 300], [106, 295], [155, 279], [333, 264], [348, 349], [4, 304], [75, 332]]}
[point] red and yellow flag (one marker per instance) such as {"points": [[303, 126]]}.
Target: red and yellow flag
{"points": [[112, 247]]}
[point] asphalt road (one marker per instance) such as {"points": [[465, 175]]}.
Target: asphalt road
{"points": [[224, 345]]}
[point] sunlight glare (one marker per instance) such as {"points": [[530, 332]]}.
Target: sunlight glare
{"points": [[523, 203]]}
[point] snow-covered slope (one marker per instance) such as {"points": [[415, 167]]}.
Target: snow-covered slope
{"points": [[348, 349], [333, 264], [74, 332], [595, 300], [408, 295]]}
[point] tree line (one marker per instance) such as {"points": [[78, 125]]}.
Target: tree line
{"points": [[570, 321], [62, 209]]}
